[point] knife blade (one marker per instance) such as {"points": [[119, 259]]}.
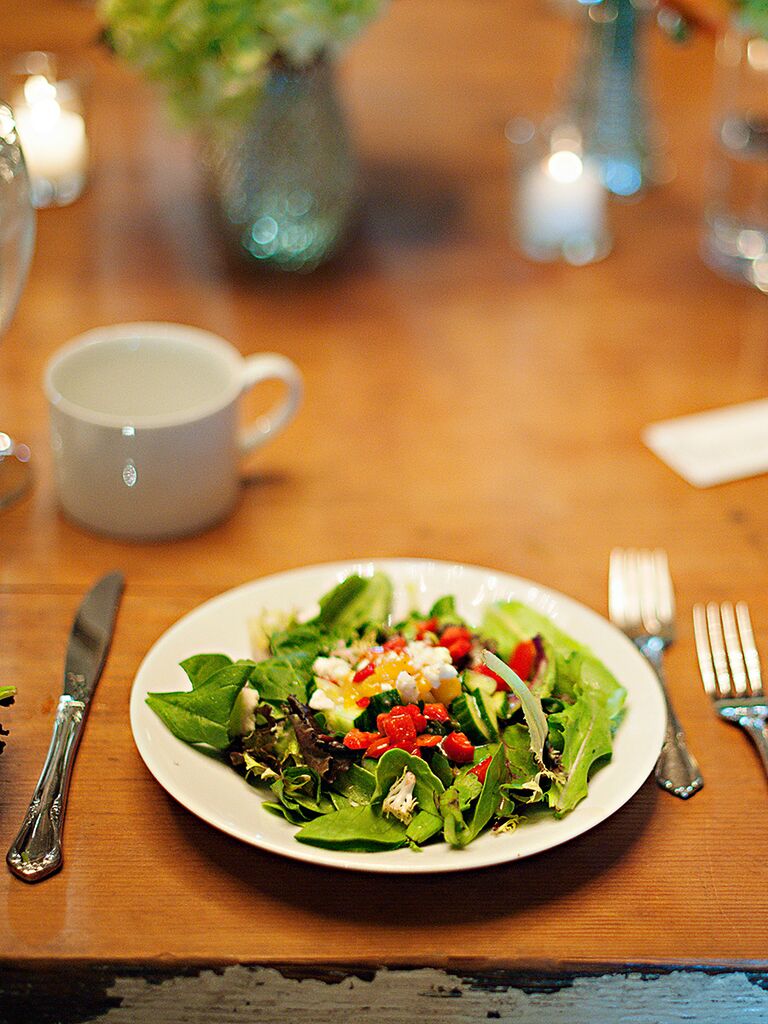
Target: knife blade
{"points": [[36, 852]]}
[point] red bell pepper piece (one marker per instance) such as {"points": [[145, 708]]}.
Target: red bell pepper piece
{"points": [[480, 769], [523, 658], [356, 739], [364, 672], [457, 747], [428, 740], [436, 712], [379, 746], [396, 643]]}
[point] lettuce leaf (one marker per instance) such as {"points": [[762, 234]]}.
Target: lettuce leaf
{"points": [[7, 694], [354, 828], [202, 715], [354, 603]]}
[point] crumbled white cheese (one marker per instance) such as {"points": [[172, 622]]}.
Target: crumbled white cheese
{"points": [[320, 701], [243, 717], [406, 686], [434, 663], [423, 655], [436, 674], [333, 668]]}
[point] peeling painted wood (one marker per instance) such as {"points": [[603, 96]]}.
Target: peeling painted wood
{"points": [[271, 996]]}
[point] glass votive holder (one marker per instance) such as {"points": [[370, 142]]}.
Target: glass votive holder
{"points": [[48, 104], [558, 197]]}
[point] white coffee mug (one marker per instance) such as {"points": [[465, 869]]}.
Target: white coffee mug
{"points": [[144, 426]]}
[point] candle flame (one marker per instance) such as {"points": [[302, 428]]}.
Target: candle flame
{"points": [[565, 166]]}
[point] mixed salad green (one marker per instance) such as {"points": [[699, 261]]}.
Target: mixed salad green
{"points": [[370, 735], [7, 694]]}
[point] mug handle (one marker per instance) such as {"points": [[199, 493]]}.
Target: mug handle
{"points": [[270, 366]]}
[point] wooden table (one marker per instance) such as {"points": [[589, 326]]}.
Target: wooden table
{"points": [[461, 404]]}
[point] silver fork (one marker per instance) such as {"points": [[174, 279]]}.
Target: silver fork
{"points": [[641, 603], [730, 669]]}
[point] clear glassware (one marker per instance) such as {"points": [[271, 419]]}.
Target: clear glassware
{"points": [[47, 99], [558, 197], [606, 97], [17, 236], [286, 179], [736, 213]]}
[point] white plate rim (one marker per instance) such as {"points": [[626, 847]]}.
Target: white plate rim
{"points": [[168, 758]]}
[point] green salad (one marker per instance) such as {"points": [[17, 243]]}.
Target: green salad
{"points": [[371, 735]]}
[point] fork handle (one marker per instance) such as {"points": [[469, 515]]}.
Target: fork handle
{"points": [[677, 770], [758, 733]]}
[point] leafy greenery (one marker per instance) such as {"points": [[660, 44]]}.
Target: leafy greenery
{"points": [[212, 56], [554, 729], [754, 13], [7, 694]]}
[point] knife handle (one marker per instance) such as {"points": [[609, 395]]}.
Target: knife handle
{"points": [[36, 851]]}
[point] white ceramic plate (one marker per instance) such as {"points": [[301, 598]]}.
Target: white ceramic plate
{"points": [[222, 798]]}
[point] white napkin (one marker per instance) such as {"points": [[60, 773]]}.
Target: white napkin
{"points": [[714, 447]]}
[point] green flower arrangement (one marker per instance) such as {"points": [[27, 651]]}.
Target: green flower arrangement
{"points": [[754, 14], [212, 56]]}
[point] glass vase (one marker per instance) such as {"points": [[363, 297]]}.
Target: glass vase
{"points": [[606, 100], [286, 178], [736, 213]]}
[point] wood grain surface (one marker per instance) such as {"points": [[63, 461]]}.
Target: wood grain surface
{"points": [[461, 404]]}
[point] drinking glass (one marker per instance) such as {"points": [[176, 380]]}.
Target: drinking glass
{"points": [[17, 236]]}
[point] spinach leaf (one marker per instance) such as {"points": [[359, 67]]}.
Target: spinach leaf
{"points": [[200, 667], [424, 826], [202, 715], [356, 784], [427, 788], [278, 678], [459, 832], [354, 828]]}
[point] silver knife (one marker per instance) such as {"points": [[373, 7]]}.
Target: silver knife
{"points": [[36, 851]]}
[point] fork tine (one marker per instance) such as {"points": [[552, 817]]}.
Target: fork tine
{"points": [[703, 650], [664, 590], [719, 657], [751, 657], [733, 647], [646, 574]]}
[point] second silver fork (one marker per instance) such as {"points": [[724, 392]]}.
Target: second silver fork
{"points": [[641, 603]]}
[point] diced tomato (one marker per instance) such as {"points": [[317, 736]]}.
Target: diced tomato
{"points": [[363, 702], [457, 747], [364, 672], [399, 728], [396, 643], [484, 670], [356, 739], [453, 633], [436, 712], [480, 769], [419, 720], [379, 746], [427, 740], [428, 626], [523, 659], [460, 648]]}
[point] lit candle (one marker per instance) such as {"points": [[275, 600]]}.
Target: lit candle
{"points": [[54, 142], [561, 209]]}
